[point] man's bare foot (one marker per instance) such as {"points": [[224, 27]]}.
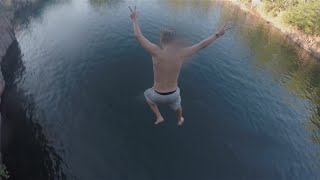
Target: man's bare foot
{"points": [[180, 122], [159, 120]]}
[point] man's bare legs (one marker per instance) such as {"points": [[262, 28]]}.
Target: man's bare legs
{"points": [[179, 116], [156, 111]]}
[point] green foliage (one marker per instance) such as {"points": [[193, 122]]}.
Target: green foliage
{"points": [[304, 16], [4, 174], [275, 6]]}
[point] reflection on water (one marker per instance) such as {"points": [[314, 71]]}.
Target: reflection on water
{"points": [[24, 15], [190, 3], [21, 131], [101, 3], [291, 66], [74, 95]]}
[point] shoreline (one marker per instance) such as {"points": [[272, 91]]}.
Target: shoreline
{"points": [[310, 43]]}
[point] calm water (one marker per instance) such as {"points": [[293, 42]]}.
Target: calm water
{"points": [[74, 106]]}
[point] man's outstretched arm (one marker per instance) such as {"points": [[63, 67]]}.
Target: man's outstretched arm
{"points": [[145, 43], [189, 51]]}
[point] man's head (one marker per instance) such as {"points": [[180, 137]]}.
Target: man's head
{"points": [[167, 36]]}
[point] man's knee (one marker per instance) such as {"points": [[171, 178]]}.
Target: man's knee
{"points": [[145, 94], [147, 97], [176, 107], [150, 103]]}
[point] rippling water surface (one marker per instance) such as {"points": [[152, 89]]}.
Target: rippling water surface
{"points": [[74, 107]]}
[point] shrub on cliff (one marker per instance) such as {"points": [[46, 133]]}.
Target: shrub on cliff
{"points": [[274, 7], [304, 16]]}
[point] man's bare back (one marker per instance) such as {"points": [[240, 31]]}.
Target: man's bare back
{"points": [[167, 61], [166, 68]]}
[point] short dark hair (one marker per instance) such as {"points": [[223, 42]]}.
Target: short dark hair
{"points": [[167, 36]]}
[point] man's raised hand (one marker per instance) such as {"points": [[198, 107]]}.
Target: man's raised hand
{"points": [[222, 29], [134, 13]]}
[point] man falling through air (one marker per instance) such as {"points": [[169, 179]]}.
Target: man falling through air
{"points": [[167, 60]]}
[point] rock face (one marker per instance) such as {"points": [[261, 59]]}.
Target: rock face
{"points": [[6, 31], [307, 42], [6, 39], [7, 8], [7, 36]]}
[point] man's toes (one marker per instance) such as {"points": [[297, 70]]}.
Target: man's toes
{"points": [[180, 122], [159, 121]]}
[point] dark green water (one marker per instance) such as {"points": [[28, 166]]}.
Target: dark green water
{"points": [[74, 109]]}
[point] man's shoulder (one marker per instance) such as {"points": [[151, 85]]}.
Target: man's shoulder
{"points": [[157, 53]]}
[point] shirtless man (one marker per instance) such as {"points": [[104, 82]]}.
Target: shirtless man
{"points": [[167, 60]]}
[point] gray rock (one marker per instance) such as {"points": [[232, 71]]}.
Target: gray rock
{"points": [[6, 38], [6, 31]]}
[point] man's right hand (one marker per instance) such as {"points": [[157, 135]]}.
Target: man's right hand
{"points": [[134, 14]]}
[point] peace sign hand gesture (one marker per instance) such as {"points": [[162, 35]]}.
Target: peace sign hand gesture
{"points": [[221, 30], [134, 14]]}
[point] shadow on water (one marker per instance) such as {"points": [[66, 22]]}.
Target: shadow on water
{"points": [[20, 130]]}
